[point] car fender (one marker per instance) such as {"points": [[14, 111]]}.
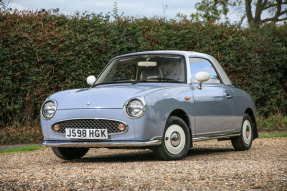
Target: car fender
{"points": [[160, 105]]}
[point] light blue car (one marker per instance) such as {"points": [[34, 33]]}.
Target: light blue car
{"points": [[162, 100]]}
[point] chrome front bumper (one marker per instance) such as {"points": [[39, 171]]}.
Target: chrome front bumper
{"points": [[117, 144]]}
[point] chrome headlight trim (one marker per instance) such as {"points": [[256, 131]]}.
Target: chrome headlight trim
{"points": [[127, 106], [54, 109]]}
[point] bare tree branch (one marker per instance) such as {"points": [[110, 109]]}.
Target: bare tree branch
{"points": [[273, 5], [278, 11], [248, 10], [283, 19], [241, 20], [272, 19], [269, 6], [264, 3], [258, 11], [267, 20]]}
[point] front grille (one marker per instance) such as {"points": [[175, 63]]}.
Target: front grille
{"points": [[110, 125]]}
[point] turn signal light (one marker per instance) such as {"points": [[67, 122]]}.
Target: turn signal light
{"points": [[122, 127], [187, 98], [56, 127]]}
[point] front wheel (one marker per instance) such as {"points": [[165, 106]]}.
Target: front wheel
{"points": [[244, 141], [69, 153], [176, 140]]}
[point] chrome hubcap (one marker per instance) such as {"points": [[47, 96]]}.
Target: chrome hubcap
{"points": [[246, 131], [175, 139]]}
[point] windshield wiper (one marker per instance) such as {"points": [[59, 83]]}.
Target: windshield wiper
{"points": [[116, 81], [99, 84], [122, 80], [165, 80]]}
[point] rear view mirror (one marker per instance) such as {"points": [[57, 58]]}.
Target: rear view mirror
{"points": [[147, 64], [91, 80], [202, 77]]}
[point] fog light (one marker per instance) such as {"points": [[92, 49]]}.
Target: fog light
{"points": [[122, 127], [56, 127]]}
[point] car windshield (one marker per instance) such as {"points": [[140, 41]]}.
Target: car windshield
{"points": [[145, 68]]}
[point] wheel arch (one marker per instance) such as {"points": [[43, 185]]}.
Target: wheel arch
{"points": [[250, 112]]}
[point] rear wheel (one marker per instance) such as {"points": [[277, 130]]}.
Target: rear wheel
{"points": [[69, 153], [244, 141], [176, 140]]}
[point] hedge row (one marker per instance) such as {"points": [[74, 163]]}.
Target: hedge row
{"points": [[42, 53]]}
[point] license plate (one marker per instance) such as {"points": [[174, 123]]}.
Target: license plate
{"points": [[87, 133]]}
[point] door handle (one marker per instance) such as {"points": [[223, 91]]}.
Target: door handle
{"points": [[229, 96]]}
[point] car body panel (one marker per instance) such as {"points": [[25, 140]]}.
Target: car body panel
{"points": [[213, 109], [105, 96]]}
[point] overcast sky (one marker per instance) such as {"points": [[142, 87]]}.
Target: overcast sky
{"points": [[147, 8]]}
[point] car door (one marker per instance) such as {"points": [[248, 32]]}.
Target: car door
{"points": [[213, 103]]}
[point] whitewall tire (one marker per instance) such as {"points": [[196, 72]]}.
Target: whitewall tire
{"points": [[244, 141], [176, 140]]}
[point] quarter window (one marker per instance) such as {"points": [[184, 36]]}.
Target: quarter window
{"points": [[203, 65]]}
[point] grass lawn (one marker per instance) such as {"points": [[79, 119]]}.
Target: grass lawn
{"points": [[272, 135], [21, 149]]}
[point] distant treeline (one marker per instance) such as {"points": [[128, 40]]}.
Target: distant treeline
{"points": [[41, 53]]}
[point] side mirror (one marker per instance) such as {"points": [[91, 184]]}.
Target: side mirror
{"points": [[91, 80], [202, 77]]}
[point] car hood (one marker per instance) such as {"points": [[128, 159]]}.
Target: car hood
{"points": [[105, 96]]}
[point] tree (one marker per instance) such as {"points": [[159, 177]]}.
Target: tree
{"points": [[213, 10], [276, 8], [3, 5]]}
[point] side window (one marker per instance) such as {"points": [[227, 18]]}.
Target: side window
{"points": [[202, 65]]}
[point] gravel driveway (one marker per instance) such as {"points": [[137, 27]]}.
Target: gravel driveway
{"points": [[209, 165]]}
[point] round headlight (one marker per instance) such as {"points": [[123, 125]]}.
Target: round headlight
{"points": [[49, 109], [135, 108]]}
